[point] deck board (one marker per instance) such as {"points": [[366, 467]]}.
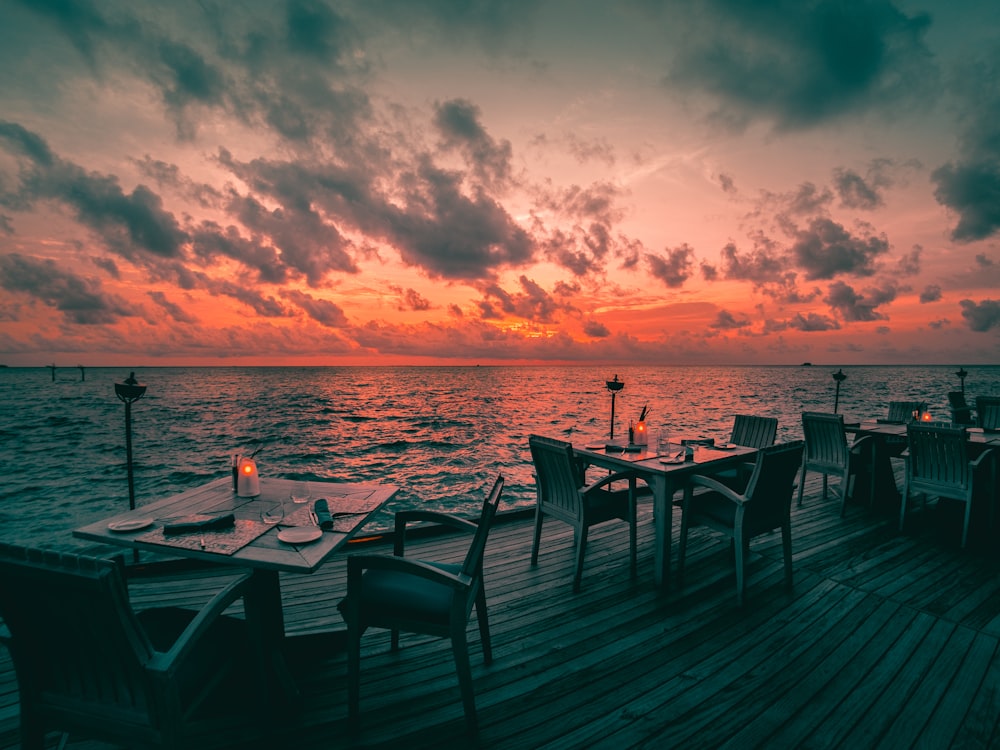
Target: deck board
{"points": [[887, 640]]}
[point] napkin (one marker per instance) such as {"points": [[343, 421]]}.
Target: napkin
{"points": [[710, 442], [323, 517], [187, 524]]}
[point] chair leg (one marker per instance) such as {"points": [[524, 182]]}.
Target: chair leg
{"points": [[538, 536], [633, 556], [353, 675], [902, 503], [484, 625], [461, 651], [965, 526], [741, 554], [581, 548], [786, 544], [682, 546], [802, 485]]}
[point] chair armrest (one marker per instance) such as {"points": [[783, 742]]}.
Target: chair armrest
{"points": [[700, 480], [608, 479], [356, 564], [861, 442], [974, 464], [164, 662], [404, 517]]}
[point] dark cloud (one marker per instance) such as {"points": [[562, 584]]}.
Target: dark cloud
{"points": [[853, 307], [458, 122], [909, 264], [970, 185], [80, 300], [981, 316], [323, 311], [673, 268], [725, 320], [813, 322], [175, 311], [413, 300], [127, 222], [595, 329], [531, 303], [826, 249], [931, 293], [799, 64]]}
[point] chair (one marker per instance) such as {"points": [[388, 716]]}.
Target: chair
{"points": [[750, 432], [827, 452], [87, 662], [417, 596], [938, 465], [961, 413], [765, 505], [754, 432], [902, 411], [988, 412], [562, 493]]}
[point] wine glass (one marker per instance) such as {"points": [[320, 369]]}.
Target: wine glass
{"points": [[272, 511], [300, 492]]}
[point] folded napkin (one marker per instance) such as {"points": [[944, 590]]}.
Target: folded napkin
{"points": [[323, 517], [187, 524], [710, 442]]}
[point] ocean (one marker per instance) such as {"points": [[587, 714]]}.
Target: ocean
{"points": [[439, 433]]}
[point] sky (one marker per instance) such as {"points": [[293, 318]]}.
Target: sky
{"points": [[499, 182]]}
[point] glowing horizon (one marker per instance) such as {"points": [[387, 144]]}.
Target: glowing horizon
{"points": [[379, 182]]}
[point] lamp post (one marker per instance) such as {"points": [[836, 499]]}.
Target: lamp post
{"points": [[614, 386], [962, 374], [129, 391], [840, 377]]}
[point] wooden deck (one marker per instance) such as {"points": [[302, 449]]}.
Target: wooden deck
{"points": [[887, 640]]}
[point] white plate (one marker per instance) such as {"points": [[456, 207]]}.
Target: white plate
{"points": [[300, 534], [726, 447], [132, 524], [672, 461]]}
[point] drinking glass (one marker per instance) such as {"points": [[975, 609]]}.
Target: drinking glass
{"points": [[663, 440], [272, 511], [300, 492]]}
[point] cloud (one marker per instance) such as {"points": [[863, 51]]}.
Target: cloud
{"points": [[175, 311], [813, 322], [826, 249], [595, 329], [80, 300], [725, 320], [531, 303], [458, 122], [323, 311], [800, 64], [981, 316], [854, 307], [673, 268], [931, 293]]}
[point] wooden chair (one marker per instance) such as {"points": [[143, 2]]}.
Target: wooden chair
{"points": [[753, 431], [562, 494], [988, 412], [902, 411], [938, 465], [827, 452], [87, 663], [765, 505], [417, 596], [961, 413]]}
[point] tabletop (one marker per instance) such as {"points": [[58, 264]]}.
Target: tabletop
{"points": [[649, 460], [249, 542]]}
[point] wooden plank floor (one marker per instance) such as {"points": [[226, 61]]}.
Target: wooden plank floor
{"points": [[887, 640]]}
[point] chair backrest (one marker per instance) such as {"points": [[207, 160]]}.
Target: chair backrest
{"points": [[938, 458], [754, 432], [988, 412], [902, 411], [474, 557], [76, 643], [961, 413], [556, 476], [772, 484], [826, 440]]}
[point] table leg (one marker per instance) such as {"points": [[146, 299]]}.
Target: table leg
{"points": [[663, 515], [264, 614]]}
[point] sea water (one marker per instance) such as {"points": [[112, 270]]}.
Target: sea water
{"points": [[438, 433]]}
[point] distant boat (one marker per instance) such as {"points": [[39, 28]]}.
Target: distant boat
{"points": [[807, 364]]}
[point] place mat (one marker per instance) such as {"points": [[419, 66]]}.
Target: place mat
{"points": [[221, 541]]}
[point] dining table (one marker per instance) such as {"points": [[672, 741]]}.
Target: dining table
{"points": [[665, 471], [213, 524]]}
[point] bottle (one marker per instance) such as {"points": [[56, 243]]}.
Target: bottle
{"points": [[631, 433]]}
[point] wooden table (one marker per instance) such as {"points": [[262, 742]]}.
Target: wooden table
{"points": [[664, 479], [264, 553]]}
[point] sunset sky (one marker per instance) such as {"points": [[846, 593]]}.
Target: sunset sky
{"points": [[469, 181]]}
